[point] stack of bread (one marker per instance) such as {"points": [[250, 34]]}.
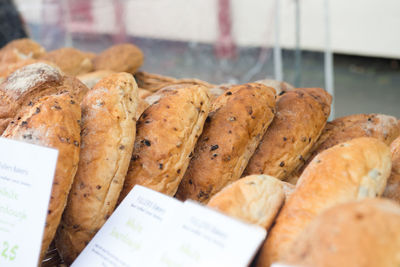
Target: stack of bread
{"points": [[261, 152]]}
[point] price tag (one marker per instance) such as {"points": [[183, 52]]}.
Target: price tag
{"points": [[26, 178]]}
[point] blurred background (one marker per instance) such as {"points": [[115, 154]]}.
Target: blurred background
{"points": [[349, 48]]}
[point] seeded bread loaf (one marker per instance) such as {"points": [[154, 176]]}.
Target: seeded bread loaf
{"points": [[255, 199], [108, 134], [165, 137], [300, 117], [348, 171], [121, 57], [392, 190], [235, 126], [23, 87], [362, 233], [53, 122], [91, 78]]}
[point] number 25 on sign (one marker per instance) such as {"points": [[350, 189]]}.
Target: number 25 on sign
{"points": [[8, 252]]}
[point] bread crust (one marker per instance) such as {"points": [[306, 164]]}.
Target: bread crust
{"points": [[392, 190], [23, 87], [362, 233], [20, 49], [91, 78], [255, 199], [348, 171], [108, 134], [119, 58], [70, 60], [165, 137], [234, 127], [301, 115], [53, 122]]}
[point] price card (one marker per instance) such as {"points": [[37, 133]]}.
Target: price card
{"points": [[132, 233], [26, 178], [204, 237]]}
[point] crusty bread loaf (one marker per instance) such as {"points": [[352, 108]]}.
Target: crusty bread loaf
{"points": [[300, 117], [363, 233], [108, 134], [70, 60], [53, 122], [392, 189], [165, 137], [91, 78], [348, 171], [236, 124], [383, 127], [20, 49], [121, 57], [24, 86], [255, 199]]}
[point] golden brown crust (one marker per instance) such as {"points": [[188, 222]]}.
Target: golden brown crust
{"points": [[277, 85], [20, 49], [392, 189], [70, 60], [23, 87], [143, 104], [53, 122], [119, 58], [363, 233], [166, 135], [108, 134], [90, 79], [234, 127], [301, 115], [255, 199], [349, 171]]}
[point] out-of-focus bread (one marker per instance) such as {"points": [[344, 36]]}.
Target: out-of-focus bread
{"points": [[348, 171], [300, 117], [363, 233], [234, 127], [153, 82], [108, 135], [255, 199], [24, 86], [70, 60], [166, 135], [392, 190], [277, 85], [91, 78], [20, 49], [288, 189], [119, 58], [52, 122]]}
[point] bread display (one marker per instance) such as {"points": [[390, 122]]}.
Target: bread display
{"points": [[91, 78], [339, 174], [392, 189], [362, 233], [119, 58], [52, 122], [70, 60], [237, 121], [255, 199], [24, 86], [20, 49], [165, 137], [300, 117]]}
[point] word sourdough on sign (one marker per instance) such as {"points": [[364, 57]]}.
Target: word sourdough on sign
{"points": [[26, 174], [152, 229]]}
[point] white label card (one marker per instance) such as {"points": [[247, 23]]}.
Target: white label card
{"points": [[26, 178], [152, 229]]}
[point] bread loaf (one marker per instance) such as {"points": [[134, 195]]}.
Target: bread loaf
{"points": [[70, 60], [235, 126], [348, 171], [255, 199], [165, 137], [362, 233], [23, 87], [108, 134], [91, 78], [52, 122], [392, 190], [20, 49], [121, 57], [300, 117]]}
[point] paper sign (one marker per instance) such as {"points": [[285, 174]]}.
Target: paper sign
{"points": [[26, 178], [131, 233], [152, 229]]}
